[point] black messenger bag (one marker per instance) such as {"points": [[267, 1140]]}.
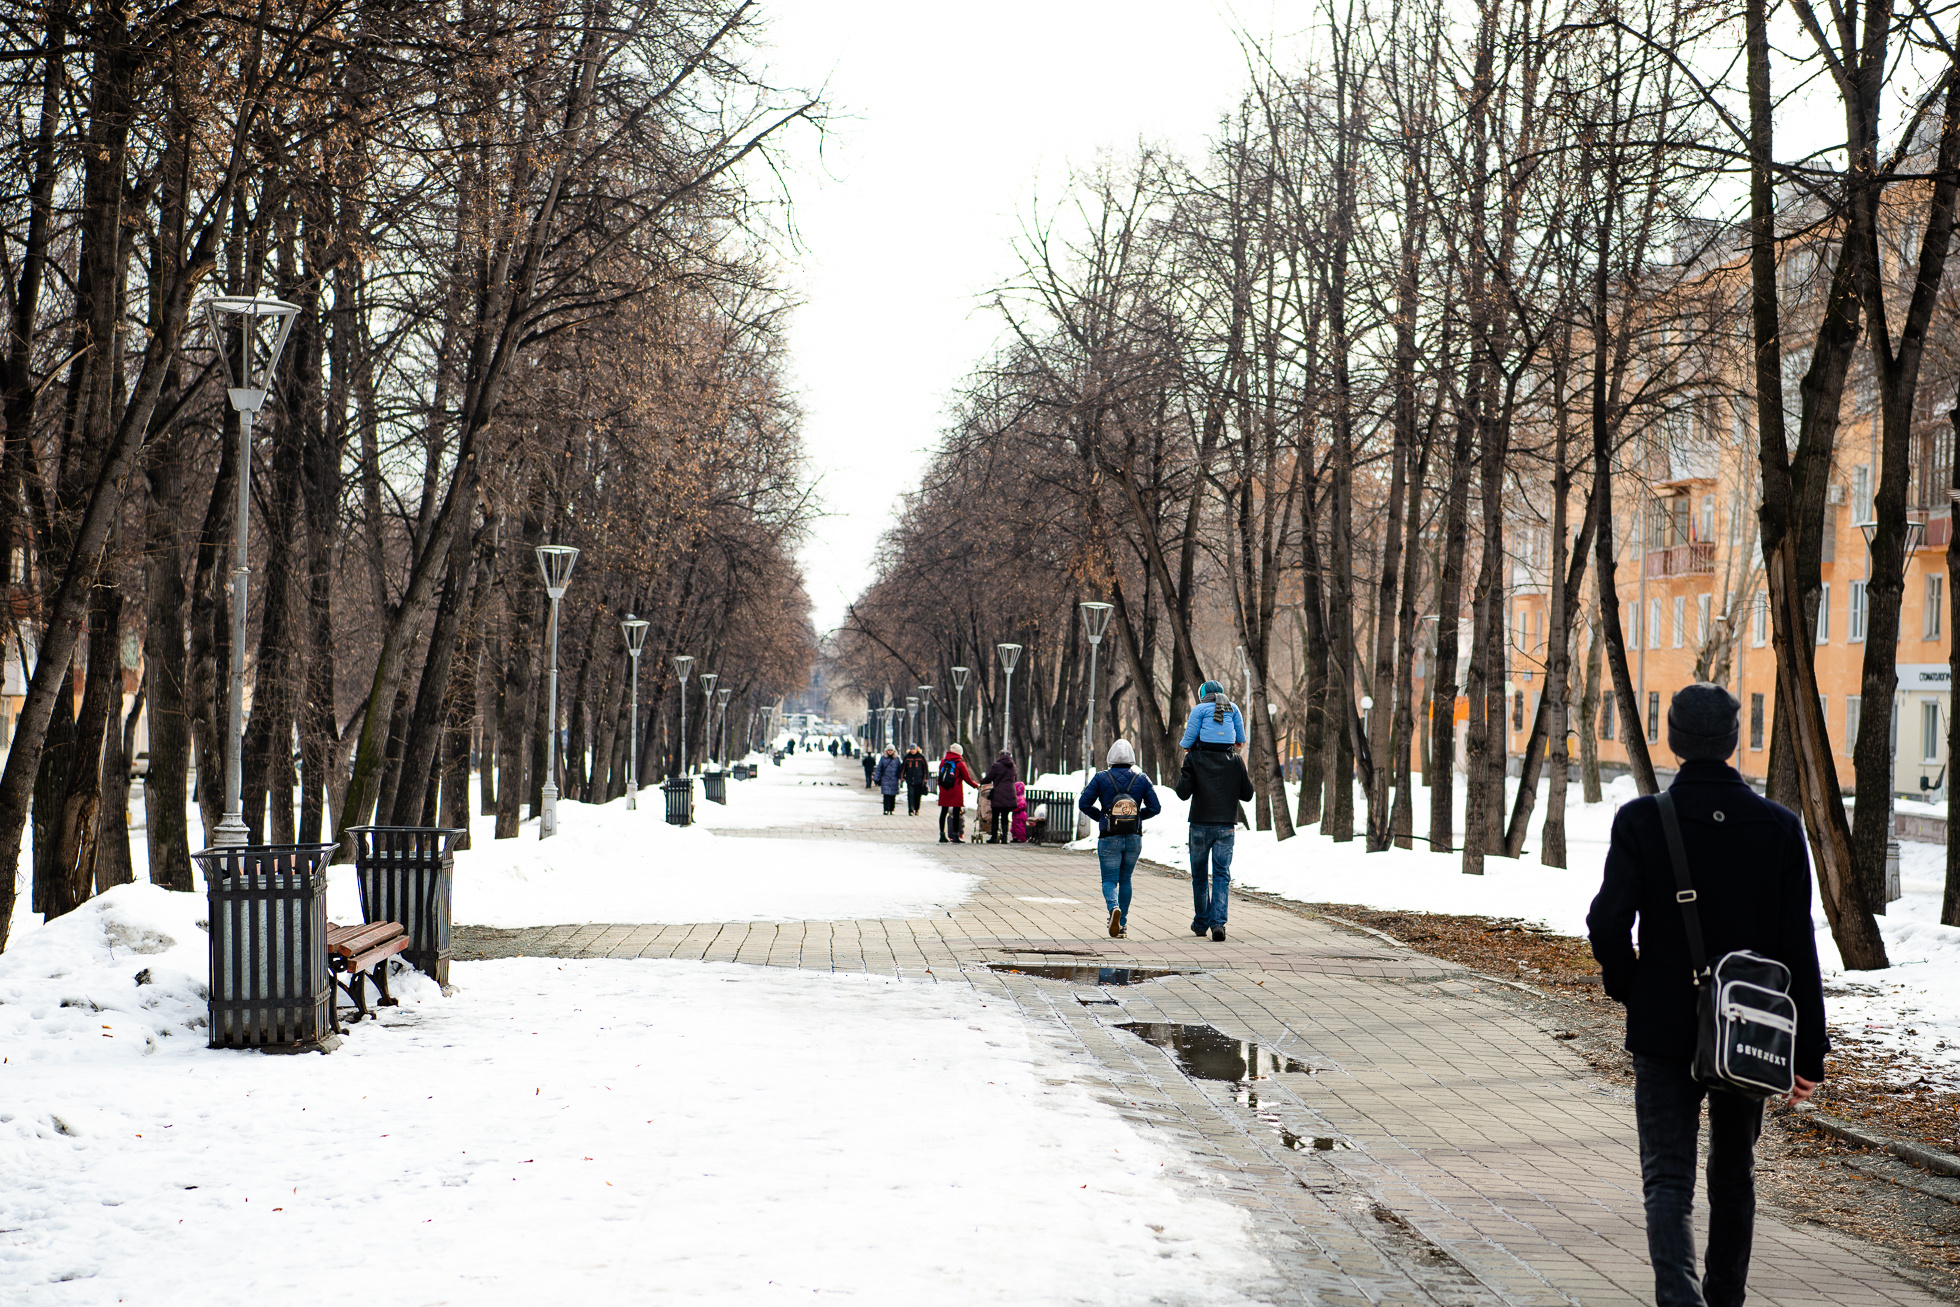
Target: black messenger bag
{"points": [[1747, 1037]]}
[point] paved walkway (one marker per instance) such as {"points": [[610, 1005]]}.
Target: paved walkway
{"points": [[1438, 1147]]}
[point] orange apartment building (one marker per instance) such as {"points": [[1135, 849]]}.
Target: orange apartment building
{"points": [[1696, 557]]}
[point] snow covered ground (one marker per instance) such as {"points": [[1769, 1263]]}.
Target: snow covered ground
{"points": [[605, 1131]]}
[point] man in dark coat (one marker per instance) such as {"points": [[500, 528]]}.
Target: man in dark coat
{"points": [[1751, 876], [1214, 779]]}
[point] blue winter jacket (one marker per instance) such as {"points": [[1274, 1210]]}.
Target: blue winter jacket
{"points": [[887, 774], [1103, 790], [1200, 726]]}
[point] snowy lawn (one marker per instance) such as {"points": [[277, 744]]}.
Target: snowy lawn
{"points": [[1914, 1006], [603, 1131], [607, 864]]}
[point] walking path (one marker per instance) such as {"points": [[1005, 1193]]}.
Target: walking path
{"points": [[1434, 1146]]}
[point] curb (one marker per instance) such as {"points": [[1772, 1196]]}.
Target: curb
{"points": [[1930, 1159]]}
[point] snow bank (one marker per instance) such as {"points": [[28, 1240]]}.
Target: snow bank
{"points": [[617, 1132], [608, 864]]}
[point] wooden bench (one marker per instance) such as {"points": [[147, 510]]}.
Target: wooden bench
{"points": [[357, 954]]}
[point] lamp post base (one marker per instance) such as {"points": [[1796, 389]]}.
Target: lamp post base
{"points": [[232, 830], [548, 812], [632, 798]]}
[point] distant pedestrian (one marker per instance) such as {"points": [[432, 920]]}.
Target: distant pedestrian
{"points": [[1119, 800], [1214, 779], [915, 779], [954, 777], [1215, 720], [1000, 780], [1751, 890], [888, 778], [870, 765]]}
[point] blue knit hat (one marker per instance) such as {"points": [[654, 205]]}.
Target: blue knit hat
{"points": [[1210, 688]]}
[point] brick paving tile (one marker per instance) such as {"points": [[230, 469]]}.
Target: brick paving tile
{"points": [[1476, 1160]]}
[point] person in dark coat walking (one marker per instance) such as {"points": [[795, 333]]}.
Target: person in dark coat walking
{"points": [[1116, 854], [1214, 779], [915, 779], [999, 781], [870, 765], [1751, 877], [888, 778]]}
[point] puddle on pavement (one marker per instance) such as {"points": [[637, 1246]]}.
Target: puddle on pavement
{"points": [[1206, 1053], [1087, 975]]}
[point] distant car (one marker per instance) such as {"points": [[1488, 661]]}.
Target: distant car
{"points": [[139, 766]]}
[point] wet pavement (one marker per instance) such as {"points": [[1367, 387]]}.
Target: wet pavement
{"points": [[1396, 1130]]}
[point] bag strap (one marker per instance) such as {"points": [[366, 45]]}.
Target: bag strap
{"points": [[1684, 891]]}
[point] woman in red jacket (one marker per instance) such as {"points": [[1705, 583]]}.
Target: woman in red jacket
{"points": [[954, 777]]}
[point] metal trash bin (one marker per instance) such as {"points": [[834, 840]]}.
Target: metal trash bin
{"points": [[680, 800], [1059, 807], [270, 986], [406, 874], [714, 787]]}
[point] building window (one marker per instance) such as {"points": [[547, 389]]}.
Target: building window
{"points": [[1824, 715], [1701, 619], [1852, 706], [1633, 626], [1680, 619], [1759, 620], [1861, 488], [1830, 533], [1654, 620], [1929, 730], [1606, 716], [1935, 599], [1517, 710], [1653, 716], [1708, 517], [1854, 623], [1824, 614], [1756, 722]]}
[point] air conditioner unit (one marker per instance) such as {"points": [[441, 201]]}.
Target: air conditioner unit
{"points": [[1834, 493]]}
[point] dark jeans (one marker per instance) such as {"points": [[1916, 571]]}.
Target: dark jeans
{"points": [[952, 821], [891, 801], [1667, 1106], [1003, 825], [914, 791], [1116, 856], [1211, 875]]}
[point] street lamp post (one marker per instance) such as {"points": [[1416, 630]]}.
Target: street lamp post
{"points": [[1915, 532], [555, 562], [248, 381], [911, 720], [708, 680], [635, 631], [1095, 620], [1010, 654], [925, 726], [683, 664], [723, 696], [959, 700]]}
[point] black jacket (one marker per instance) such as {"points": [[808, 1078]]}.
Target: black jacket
{"points": [[999, 781], [1214, 779], [1751, 872]]}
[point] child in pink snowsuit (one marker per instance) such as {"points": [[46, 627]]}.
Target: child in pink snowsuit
{"points": [[1019, 825]]}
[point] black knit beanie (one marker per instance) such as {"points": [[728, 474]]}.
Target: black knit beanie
{"points": [[1703, 722]]}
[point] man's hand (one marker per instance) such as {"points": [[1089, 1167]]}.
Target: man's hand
{"points": [[1804, 1089]]}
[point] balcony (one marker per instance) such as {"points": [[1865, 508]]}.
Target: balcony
{"points": [[1694, 559]]}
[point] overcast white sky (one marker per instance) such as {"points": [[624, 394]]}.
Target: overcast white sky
{"points": [[947, 124]]}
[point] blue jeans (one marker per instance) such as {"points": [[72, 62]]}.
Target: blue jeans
{"points": [[1667, 1108], [1210, 888], [1118, 856]]}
